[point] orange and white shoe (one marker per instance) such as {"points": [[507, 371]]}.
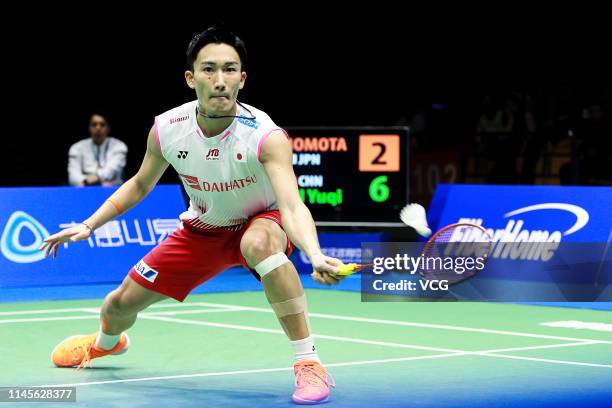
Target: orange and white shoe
{"points": [[312, 383], [80, 350]]}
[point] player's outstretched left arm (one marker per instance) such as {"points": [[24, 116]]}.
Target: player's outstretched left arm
{"points": [[127, 196], [276, 157]]}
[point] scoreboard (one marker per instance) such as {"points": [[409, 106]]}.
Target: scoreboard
{"points": [[352, 174]]}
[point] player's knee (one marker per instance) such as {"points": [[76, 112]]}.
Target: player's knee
{"points": [[111, 304], [118, 303], [259, 246]]}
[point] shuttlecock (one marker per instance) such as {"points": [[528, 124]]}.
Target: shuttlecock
{"points": [[414, 216]]}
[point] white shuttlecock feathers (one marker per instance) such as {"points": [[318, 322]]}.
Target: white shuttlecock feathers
{"points": [[414, 216]]}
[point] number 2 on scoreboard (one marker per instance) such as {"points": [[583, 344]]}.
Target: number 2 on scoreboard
{"points": [[379, 153]]}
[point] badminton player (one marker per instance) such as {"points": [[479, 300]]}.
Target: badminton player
{"points": [[245, 209]]}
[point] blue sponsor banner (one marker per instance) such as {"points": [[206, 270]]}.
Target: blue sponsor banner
{"points": [[575, 222], [29, 215], [575, 272], [527, 213]]}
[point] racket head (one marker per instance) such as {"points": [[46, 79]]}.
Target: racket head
{"points": [[455, 241]]}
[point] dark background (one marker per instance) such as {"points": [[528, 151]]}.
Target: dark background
{"points": [[376, 66]]}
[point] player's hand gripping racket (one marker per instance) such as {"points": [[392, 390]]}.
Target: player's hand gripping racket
{"points": [[349, 269], [412, 215]]}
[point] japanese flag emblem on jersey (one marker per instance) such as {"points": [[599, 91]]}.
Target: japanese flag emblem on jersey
{"points": [[240, 154]]}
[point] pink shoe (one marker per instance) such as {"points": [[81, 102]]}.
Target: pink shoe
{"points": [[311, 382]]}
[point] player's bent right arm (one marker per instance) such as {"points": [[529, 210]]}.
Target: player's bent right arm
{"points": [[126, 197]]}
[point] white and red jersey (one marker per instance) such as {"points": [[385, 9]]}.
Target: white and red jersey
{"points": [[225, 180]]}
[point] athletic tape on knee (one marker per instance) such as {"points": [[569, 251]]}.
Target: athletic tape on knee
{"points": [[292, 307], [270, 263]]}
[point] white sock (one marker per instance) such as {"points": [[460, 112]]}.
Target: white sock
{"points": [[305, 349], [106, 341]]}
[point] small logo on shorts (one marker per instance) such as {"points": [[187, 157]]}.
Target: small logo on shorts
{"points": [[146, 271]]}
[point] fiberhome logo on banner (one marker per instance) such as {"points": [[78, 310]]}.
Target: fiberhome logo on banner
{"points": [[515, 240]]}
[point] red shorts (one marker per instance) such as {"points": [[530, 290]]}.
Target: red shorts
{"points": [[190, 257]]}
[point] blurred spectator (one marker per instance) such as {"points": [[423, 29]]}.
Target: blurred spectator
{"points": [[492, 119], [534, 141], [99, 159], [418, 123], [495, 137], [593, 150]]}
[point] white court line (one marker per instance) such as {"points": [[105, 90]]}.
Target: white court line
{"points": [[545, 360], [182, 312], [576, 324], [352, 363], [549, 346], [413, 324], [487, 353], [44, 311], [97, 309], [263, 370], [155, 316], [320, 315], [48, 319], [319, 336]]}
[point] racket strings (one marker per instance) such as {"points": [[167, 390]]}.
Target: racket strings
{"points": [[451, 244]]}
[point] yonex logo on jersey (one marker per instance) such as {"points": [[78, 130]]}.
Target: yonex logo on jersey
{"points": [[181, 119], [146, 271], [250, 123], [182, 154], [213, 154]]}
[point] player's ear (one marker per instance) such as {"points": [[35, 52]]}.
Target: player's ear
{"points": [[189, 79], [243, 77]]}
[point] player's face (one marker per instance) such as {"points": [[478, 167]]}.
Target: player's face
{"points": [[216, 78]]}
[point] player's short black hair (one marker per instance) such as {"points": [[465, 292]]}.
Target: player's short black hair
{"points": [[217, 34]]}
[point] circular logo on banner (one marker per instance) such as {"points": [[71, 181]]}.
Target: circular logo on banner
{"points": [[10, 243]]}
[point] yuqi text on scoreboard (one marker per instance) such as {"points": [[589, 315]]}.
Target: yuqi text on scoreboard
{"points": [[350, 173]]}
